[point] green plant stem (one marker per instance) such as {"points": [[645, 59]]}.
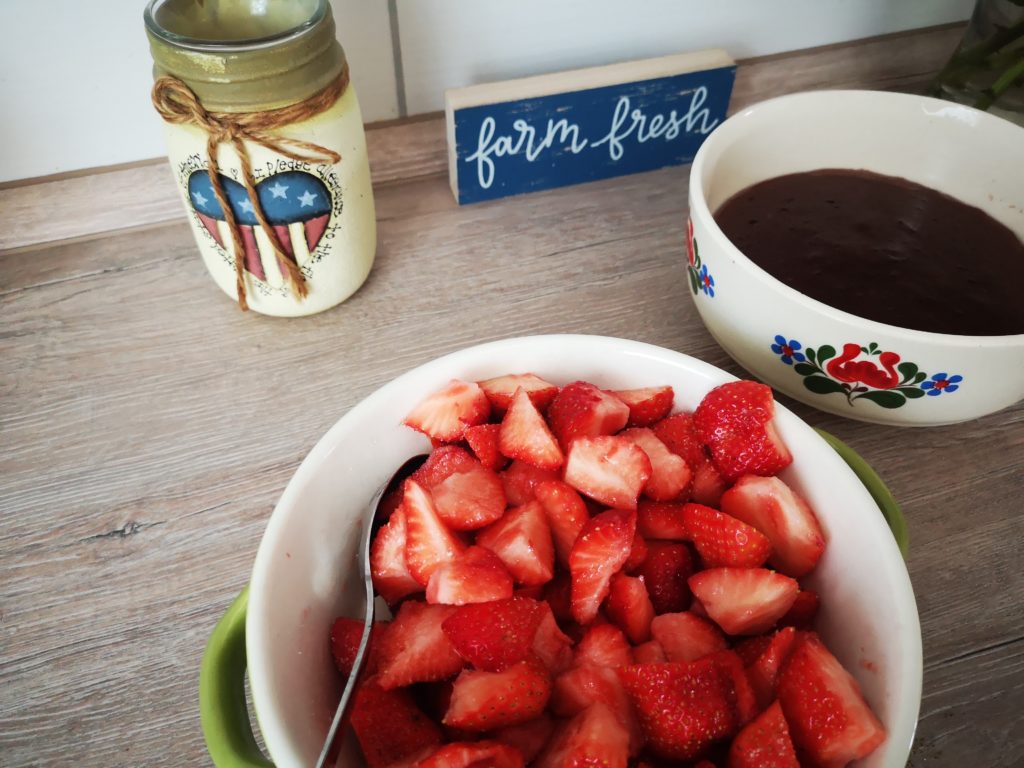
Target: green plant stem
{"points": [[962, 63], [1005, 80]]}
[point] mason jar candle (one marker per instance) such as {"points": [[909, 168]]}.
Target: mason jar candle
{"points": [[266, 144]]}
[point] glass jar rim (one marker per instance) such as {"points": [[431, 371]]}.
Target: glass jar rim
{"points": [[229, 46]]}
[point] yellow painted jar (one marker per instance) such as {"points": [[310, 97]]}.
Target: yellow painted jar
{"points": [[266, 143]]}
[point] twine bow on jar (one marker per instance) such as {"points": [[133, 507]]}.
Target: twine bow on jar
{"points": [[178, 104]]}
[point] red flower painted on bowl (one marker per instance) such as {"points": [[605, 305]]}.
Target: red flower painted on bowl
{"points": [[690, 255], [847, 368]]}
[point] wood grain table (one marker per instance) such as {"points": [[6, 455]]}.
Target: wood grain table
{"points": [[148, 427]]}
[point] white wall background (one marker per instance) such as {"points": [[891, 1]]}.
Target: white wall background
{"points": [[75, 76]]}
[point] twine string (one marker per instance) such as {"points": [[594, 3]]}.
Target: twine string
{"points": [[178, 104]]}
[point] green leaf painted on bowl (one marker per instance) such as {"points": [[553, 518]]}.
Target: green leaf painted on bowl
{"points": [[884, 398], [821, 385]]}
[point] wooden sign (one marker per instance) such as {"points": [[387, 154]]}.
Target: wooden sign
{"points": [[566, 128]]}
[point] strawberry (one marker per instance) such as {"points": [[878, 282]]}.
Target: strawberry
{"points": [[494, 636], [764, 743], [558, 594], [445, 415], [525, 436], [502, 389], [476, 754], [469, 499], [428, 542], [610, 470], [744, 700], [721, 540], [708, 485], [679, 435], [442, 463], [475, 576], [773, 508], [521, 479], [736, 422], [827, 715], [744, 601], [566, 514], [413, 648], [669, 473], [552, 646], [482, 701], [763, 670], [582, 410], [665, 573], [660, 520], [646, 406], [594, 737], [599, 552], [346, 635], [391, 577], [603, 645], [389, 726], [522, 540], [579, 687], [629, 607], [686, 637], [650, 652], [527, 738], [803, 611], [683, 707], [483, 441], [637, 554]]}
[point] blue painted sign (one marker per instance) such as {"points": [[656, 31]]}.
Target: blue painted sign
{"points": [[512, 147]]}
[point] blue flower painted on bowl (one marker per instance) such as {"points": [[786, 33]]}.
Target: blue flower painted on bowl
{"points": [[707, 282], [788, 350], [941, 382]]}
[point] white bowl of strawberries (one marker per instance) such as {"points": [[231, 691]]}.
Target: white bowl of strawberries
{"points": [[614, 552]]}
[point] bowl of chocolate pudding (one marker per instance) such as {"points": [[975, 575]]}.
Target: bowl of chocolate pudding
{"points": [[863, 252]]}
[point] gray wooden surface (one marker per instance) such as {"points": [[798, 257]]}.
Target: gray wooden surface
{"points": [[147, 428]]}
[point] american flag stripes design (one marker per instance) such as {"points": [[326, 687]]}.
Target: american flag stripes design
{"points": [[296, 204]]}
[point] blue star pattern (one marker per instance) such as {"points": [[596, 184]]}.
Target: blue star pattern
{"points": [[285, 198], [788, 350]]}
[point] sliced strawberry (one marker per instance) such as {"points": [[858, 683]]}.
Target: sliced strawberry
{"points": [[603, 645], [744, 601], [764, 743], [679, 434], [686, 637], [764, 669], [558, 594], [683, 707], [637, 554], [736, 422], [744, 700], [582, 410], [803, 612], [774, 509], [442, 463], [391, 577], [629, 607], [665, 573], [483, 441], [648, 405], [346, 635], [389, 726], [445, 414], [708, 485], [522, 540], [414, 648], [749, 648], [520, 480], [475, 576], [482, 701], [650, 652], [502, 389], [660, 520], [527, 738], [525, 436], [670, 475], [610, 470], [566, 515], [594, 737], [552, 646], [578, 688], [470, 499], [475, 754], [827, 715], [599, 552], [722, 540], [428, 542], [494, 636]]}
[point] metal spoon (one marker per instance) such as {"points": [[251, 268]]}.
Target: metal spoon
{"points": [[373, 522]]}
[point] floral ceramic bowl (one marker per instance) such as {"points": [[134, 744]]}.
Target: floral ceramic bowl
{"points": [[822, 356]]}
